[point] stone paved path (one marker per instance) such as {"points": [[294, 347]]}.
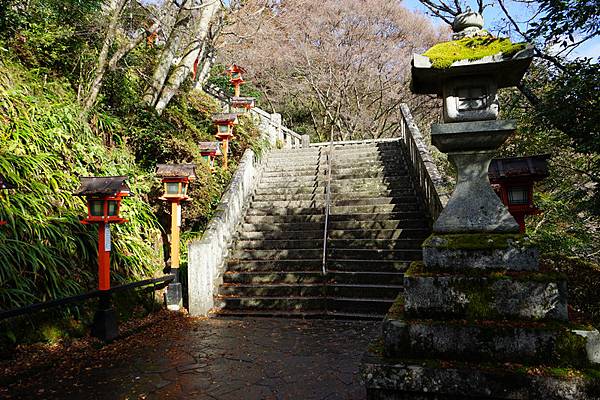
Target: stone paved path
{"points": [[239, 359]]}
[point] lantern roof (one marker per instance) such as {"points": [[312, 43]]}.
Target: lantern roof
{"points": [[210, 147], [236, 68], [533, 167], [105, 186], [225, 119], [239, 99], [176, 171], [505, 70], [4, 184]]}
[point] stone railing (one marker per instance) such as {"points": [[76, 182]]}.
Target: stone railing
{"points": [[269, 124], [428, 177], [207, 256]]}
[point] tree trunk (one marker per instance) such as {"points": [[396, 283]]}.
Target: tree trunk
{"points": [[196, 47]]}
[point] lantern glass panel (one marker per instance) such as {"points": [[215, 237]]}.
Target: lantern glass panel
{"points": [[223, 129], [235, 75], [184, 188], [97, 208], [113, 208], [172, 187], [518, 195]]}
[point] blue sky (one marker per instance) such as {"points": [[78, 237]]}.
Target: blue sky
{"points": [[493, 18]]}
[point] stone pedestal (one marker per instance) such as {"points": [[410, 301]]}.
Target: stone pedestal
{"points": [[478, 319]]}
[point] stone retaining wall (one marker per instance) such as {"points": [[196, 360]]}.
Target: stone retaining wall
{"points": [[207, 255]]}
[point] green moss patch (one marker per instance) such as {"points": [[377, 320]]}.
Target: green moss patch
{"points": [[476, 241], [415, 268], [443, 55], [397, 309]]}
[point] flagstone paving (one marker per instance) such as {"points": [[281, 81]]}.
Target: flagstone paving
{"points": [[238, 359]]}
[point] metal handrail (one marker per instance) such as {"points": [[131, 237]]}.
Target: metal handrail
{"points": [[327, 204]]}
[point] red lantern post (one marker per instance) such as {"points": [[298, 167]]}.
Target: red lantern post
{"points": [[209, 151], [176, 179], [513, 179], [235, 77], [225, 124], [104, 195]]}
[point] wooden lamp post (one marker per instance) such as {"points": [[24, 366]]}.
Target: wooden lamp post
{"points": [[225, 124], [176, 179], [210, 150], [235, 77], [104, 195], [4, 185], [513, 179]]}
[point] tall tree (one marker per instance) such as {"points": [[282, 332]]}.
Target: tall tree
{"points": [[331, 67]]}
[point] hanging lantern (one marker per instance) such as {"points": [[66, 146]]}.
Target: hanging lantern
{"points": [[513, 179]]}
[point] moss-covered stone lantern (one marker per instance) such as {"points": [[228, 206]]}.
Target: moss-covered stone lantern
{"points": [[225, 124], [176, 179], [104, 196], [513, 179], [235, 73], [4, 185], [478, 314], [209, 151]]}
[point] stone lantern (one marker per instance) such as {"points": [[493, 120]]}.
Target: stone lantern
{"points": [[225, 124], [235, 77], [104, 196], [513, 179], [4, 185], [176, 179], [478, 304]]}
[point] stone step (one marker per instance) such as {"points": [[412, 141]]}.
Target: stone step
{"points": [[337, 254], [347, 220], [316, 265], [322, 176], [374, 254], [336, 167], [367, 265], [350, 223], [337, 202], [350, 291], [304, 208], [389, 234], [301, 243], [305, 303], [486, 340], [338, 197], [337, 170], [314, 277], [367, 183], [296, 314], [382, 159], [335, 194], [364, 150], [265, 277], [275, 266], [366, 277]]}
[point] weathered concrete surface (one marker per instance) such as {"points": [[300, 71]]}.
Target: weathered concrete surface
{"points": [[486, 342], [473, 206], [413, 381], [516, 256], [228, 359], [207, 256], [471, 136], [457, 297]]}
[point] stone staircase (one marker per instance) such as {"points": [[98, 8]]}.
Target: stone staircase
{"points": [[376, 225]]}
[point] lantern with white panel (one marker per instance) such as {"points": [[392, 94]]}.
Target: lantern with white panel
{"points": [[209, 151], [176, 179], [103, 197], [225, 123]]}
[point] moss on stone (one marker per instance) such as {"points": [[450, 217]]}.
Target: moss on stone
{"points": [[377, 347], [569, 349], [476, 241], [397, 309], [415, 268], [442, 55]]}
